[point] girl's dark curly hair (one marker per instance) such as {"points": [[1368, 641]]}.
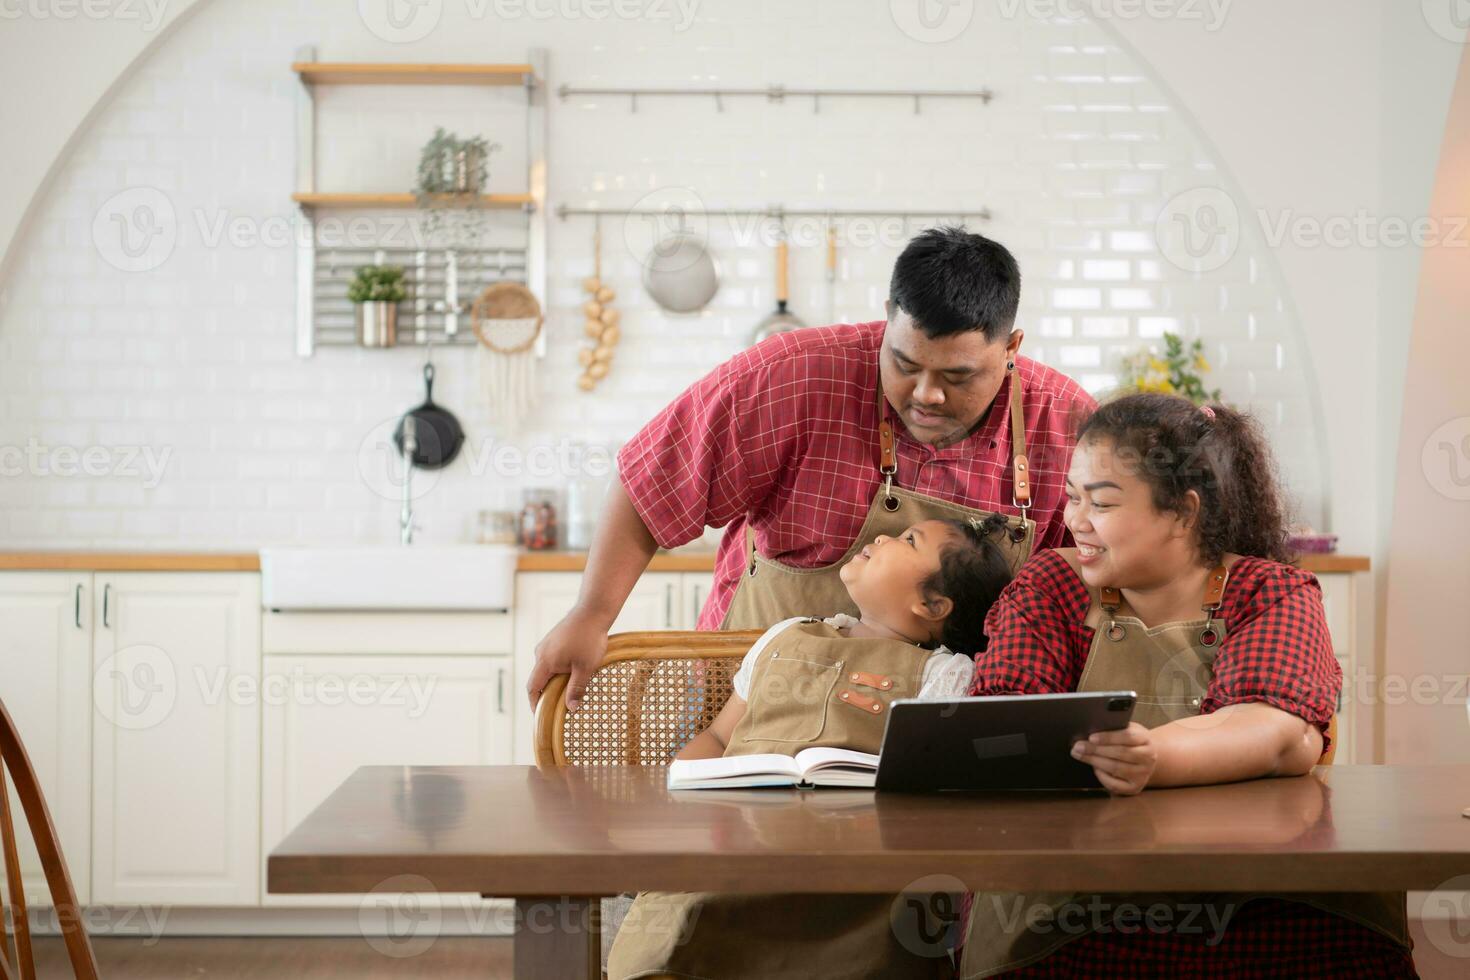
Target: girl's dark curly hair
{"points": [[1217, 452], [972, 572]]}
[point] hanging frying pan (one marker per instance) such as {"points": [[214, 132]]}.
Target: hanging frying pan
{"points": [[782, 320], [437, 437]]}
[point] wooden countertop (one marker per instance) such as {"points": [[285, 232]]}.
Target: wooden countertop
{"points": [[530, 561], [576, 561], [131, 561]]}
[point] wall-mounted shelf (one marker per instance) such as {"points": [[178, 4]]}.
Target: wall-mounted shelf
{"points": [[507, 202], [323, 317], [347, 73]]}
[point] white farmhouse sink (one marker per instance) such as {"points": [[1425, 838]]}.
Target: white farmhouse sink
{"points": [[478, 577]]}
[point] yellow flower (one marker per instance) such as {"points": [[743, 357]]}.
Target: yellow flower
{"points": [[1154, 364], [1200, 364]]}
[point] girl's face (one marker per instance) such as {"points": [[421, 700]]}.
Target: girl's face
{"points": [[1123, 541], [885, 579]]}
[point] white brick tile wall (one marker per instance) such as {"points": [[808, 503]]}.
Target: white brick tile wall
{"points": [[192, 362]]}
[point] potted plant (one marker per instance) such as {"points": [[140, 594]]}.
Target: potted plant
{"points": [[452, 175], [1179, 371], [377, 290]]}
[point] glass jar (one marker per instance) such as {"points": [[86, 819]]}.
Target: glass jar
{"points": [[538, 520], [499, 527]]}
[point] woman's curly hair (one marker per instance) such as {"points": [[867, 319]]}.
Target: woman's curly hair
{"points": [[1219, 453]]}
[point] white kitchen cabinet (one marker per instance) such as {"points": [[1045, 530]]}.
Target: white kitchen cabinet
{"points": [[325, 715], [175, 738], [1339, 600], [46, 686]]}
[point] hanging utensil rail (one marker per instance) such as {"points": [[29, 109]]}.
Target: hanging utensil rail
{"points": [[564, 211], [778, 93]]}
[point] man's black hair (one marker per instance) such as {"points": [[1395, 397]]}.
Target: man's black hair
{"points": [[951, 281]]}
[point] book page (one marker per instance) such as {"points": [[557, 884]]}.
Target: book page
{"points": [[730, 767], [811, 760]]}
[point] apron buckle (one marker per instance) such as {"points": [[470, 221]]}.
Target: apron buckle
{"points": [[890, 502], [1018, 534]]}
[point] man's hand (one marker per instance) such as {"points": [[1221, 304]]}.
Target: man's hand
{"points": [[574, 646], [1123, 760]]}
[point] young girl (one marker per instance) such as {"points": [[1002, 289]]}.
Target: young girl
{"points": [[922, 598], [1179, 589]]}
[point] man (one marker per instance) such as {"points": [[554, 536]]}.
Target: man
{"points": [[808, 445]]}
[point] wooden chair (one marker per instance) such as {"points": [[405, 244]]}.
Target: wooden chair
{"points": [[1327, 756], [13, 759], [653, 692]]}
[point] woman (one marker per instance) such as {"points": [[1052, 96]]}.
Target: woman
{"points": [[1180, 589]]}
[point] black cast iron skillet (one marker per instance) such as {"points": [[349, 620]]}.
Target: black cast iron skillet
{"points": [[437, 435]]}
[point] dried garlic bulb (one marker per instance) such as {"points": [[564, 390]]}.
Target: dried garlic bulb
{"points": [[601, 327]]}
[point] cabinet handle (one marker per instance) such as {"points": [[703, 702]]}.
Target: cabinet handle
{"points": [[77, 606], [106, 597], [500, 690], [669, 606]]}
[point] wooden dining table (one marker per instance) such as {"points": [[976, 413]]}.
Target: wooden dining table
{"points": [[557, 839]]}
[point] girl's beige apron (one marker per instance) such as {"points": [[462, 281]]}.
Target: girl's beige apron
{"points": [[775, 936], [1170, 667], [771, 592], [811, 686]]}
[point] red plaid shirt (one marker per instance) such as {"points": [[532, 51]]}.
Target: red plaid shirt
{"points": [[785, 435], [1277, 648]]}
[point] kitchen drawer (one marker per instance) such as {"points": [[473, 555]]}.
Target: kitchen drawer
{"points": [[386, 633]]}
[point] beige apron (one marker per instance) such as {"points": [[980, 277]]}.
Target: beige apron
{"points": [[1170, 667], [770, 592], [810, 687]]}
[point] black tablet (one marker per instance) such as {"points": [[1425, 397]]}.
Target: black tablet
{"points": [[1020, 742]]}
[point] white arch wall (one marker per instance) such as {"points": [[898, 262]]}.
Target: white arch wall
{"points": [[183, 357]]}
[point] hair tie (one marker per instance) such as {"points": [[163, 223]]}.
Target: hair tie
{"points": [[1209, 412]]}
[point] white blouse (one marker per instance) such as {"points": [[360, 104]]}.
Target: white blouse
{"points": [[946, 675]]}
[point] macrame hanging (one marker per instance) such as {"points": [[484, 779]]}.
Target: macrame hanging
{"points": [[507, 319]]}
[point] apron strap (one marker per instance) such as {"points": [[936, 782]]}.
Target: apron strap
{"points": [[1109, 599], [1020, 462]]}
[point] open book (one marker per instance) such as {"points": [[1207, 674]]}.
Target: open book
{"points": [[809, 767]]}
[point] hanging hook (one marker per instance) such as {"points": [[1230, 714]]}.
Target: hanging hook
{"points": [[719, 102], [916, 103], [816, 103], [632, 101], [597, 247]]}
